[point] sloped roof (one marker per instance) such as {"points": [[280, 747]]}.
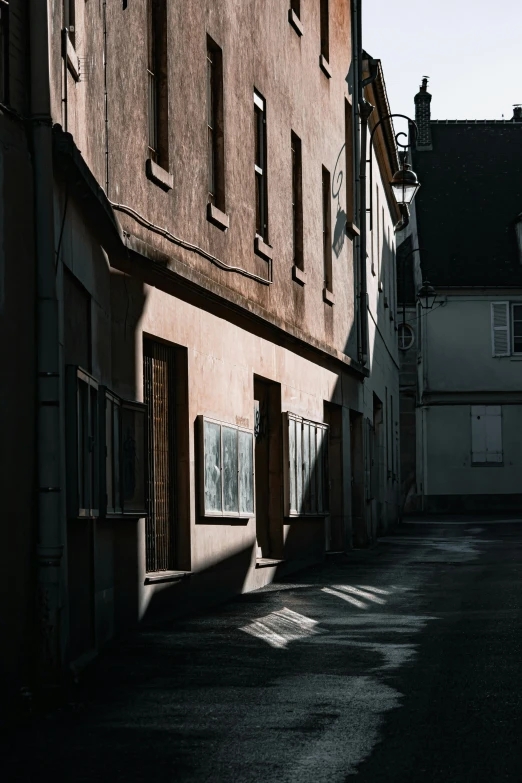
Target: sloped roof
{"points": [[468, 203]]}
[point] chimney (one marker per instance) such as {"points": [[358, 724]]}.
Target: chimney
{"points": [[517, 113], [423, 116]]}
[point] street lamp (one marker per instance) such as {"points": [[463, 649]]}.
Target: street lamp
{"points": [[426, 295], [405, 185]]}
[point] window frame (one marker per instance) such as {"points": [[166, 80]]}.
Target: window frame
{"points": [[297, 200], [75, 508], [215, 125], [409, 328], [4, 52], [326, 212], [324, 29], [222, 513], [491, 463], [122, 404], [512, 327], [298, 510], [260, 166]]}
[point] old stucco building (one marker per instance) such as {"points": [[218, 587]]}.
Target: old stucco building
{"points": [[215, 389], [461, 404]]}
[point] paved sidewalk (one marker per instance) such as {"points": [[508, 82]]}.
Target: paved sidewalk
{"points": [[399, 664]]}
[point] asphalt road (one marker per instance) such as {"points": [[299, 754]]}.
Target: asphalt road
{"points": [[399, 664]]}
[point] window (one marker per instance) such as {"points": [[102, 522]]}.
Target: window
{"points": [[157, 82], [216, 170], [4, 51], [325, 35], [306, 473], [327, 230], [260, 167], [294, 16], [486, 434], [70, 22], [506, 328], [348, 147], [159, 382], [123, 435], [405, 336], [517, 328], [83, 444], [227, 470], [295, 6], [297, 202]]}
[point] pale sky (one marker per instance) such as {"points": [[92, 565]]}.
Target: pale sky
{"points": [[470, 49]]}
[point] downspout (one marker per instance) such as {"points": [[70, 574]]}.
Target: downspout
{"points": [[365, 110], [49, 547]]}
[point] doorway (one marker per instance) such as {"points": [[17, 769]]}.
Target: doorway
{"points": [[268, 469], [359, 537]]}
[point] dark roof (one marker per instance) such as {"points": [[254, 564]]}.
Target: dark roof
{"points": [[468, 203]]}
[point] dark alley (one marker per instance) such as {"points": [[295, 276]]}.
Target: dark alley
{"points": [[399, 663]]}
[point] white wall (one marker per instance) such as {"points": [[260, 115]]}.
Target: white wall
{"points": [[448, 456]]}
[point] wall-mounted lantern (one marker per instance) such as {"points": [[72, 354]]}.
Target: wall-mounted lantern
{"points": [[426, 295], [405, 185]]}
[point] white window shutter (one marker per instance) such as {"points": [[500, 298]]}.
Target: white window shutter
{"points": [[493, 420], [478, 433], [500, 342]]}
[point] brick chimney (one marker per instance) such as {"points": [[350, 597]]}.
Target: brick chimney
{"points": [[517, 113], [423, 116]]}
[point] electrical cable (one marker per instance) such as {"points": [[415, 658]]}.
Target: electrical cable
{"points": [[189, 246]]}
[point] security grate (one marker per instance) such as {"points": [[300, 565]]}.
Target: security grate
{"points": [[159, 392]]}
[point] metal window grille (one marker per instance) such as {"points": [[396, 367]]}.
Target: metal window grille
{"points": [[159, 392]]}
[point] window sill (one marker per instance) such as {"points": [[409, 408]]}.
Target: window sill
{"points": [[158, 175], [295, 22], [289, 518], [166, 576], [298, 275], [118, 516], [325, 66], [262, 249], [267, 562], [328, 297], [515, 358], [352, 229], [71, 58], [217, 217]]}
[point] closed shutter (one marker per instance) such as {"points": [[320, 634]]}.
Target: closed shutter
{"points": [[500, 341], [486, 433], [493, 433]]}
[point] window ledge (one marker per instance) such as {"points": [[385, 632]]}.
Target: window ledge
{"points": [[328, 297], [166, 576], [298, 275], [487, 464], [262, 249], [352, 229], [158, 175], [71, 58], [515, 358], [325, 66], [295, 22], [217, 217], [267, 562]]}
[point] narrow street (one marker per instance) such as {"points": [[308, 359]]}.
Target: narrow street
{"points": [[402, 663]]}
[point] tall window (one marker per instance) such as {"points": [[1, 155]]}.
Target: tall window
{"points": [[325, 34], [297, 201], [216, 167], [159, 393], [295, 6], [70, 22], [4, 51], [517, 328], [157, 82], [260, 167], [348, 148], [327, 230]]}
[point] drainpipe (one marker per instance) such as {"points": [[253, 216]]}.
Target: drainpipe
{"points": [[365, 110], [48, 445]]}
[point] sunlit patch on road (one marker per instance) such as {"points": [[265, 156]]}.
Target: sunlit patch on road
{"points": [[281, 627]]}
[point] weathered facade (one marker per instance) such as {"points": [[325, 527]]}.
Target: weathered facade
{"points": [[461, 406], [208, 415]]}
